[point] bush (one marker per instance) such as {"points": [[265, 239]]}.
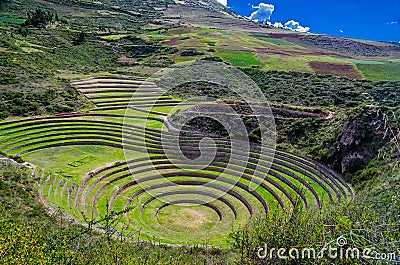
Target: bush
{"points": [[212, 58], [191, 52], [18, 159]]}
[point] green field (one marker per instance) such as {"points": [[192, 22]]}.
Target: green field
{"points": [[240, 59], [8, 20], [380, 71]]}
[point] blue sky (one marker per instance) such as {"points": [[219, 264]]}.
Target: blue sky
{"points": [[365, 19]]}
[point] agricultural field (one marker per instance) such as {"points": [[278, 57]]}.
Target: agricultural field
{"points": [[83, 168], [7, 20]]}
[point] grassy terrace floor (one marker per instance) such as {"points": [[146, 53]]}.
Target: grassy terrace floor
{"points": [[83, 168]]}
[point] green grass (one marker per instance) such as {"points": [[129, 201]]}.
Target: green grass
{"points": [[153, 230], [71, 165], [206, 30], [274, 62], [369, 62], [9, 20], [57, 160], [30, 50], [280, 42], [381, 71], [240, 59], [31, 236], [100, 205], [114, 37]]}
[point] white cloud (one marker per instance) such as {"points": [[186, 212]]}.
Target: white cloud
{"points": [[291, 25], [341, 30], [393, 23], [263, 13], [295, 26], [278, 25], [224, 2]]}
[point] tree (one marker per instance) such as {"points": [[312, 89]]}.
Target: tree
{"points": [[80, 38], [39, 18]]}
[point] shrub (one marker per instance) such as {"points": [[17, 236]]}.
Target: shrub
{"points": [[24, 31], [191, 52]]}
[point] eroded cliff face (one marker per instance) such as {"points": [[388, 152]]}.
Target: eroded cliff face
{"points": [[363, 134]]}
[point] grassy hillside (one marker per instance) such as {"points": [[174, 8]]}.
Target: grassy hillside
{"points": [[91, 38], [107, 43]]}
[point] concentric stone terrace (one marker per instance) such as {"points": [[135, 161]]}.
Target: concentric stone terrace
{"points": [[166, 199]]}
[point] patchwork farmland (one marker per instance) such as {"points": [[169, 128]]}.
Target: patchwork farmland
{"points": [[83, 170]]}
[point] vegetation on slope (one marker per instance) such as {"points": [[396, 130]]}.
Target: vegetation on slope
{"points": [[39, 102], [324, 90], [370, 221]]}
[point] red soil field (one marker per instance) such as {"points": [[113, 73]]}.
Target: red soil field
{"points": [[124, 60], [336, 69], [172, 42]]}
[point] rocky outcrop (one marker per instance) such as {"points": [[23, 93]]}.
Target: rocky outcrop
{"points": [[363, 134]]}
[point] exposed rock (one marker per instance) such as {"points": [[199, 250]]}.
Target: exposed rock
{"points": [[362, 135]]}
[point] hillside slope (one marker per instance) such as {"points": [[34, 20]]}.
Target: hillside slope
{"points": [[204, 26]]}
